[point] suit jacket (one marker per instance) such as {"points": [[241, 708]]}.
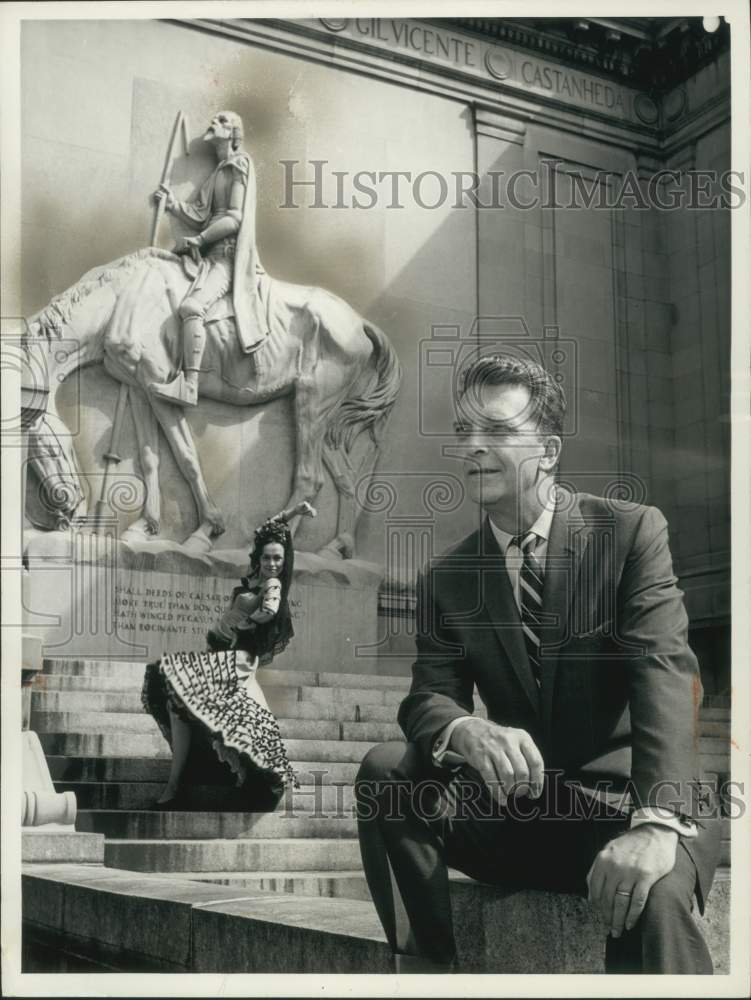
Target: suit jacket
{"points": [[620, 689]]}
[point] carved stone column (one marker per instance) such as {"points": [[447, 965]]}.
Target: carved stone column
{"points": [[47, 817], [42, 805]]}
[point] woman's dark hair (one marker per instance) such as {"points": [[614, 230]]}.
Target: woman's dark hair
{"points": [[272, 636], [274, 530]]}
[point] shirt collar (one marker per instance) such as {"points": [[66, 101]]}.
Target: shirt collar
{"points": [[541, 527]]}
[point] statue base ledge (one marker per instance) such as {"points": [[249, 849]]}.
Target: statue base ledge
{"points": [[167, 556]]}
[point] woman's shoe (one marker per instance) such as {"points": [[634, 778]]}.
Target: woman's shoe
{"points": [[174, 804]]}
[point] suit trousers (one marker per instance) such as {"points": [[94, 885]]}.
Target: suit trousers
{"points": [[415, 821]]}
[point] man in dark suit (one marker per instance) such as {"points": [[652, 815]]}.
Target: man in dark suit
{"points": [[563, 611]]}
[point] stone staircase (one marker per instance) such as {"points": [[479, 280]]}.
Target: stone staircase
{"points": [[266, 892]]}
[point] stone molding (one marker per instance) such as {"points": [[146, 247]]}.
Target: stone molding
{"points": [[512, 82], [631, 49], [311, 39]]}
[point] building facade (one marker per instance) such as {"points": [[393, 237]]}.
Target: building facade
{"points": [[559, 187]]}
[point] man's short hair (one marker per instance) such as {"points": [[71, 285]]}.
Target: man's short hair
{"points": [[547, 399]]}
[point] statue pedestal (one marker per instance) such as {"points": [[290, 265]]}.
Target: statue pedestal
{"points": [[135, 601], [47, 816]]}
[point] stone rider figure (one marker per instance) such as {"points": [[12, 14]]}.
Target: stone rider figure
{"points": [[221, 258]]}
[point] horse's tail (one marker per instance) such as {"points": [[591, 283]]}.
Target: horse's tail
{"points": [[369, 410]]}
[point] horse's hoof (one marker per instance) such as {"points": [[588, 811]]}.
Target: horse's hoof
{"points": [[342, 547], [345, 543], [142, 530], [199, 543]]}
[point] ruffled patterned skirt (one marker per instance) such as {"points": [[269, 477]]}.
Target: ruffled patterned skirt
{"points": [[214, 692]]}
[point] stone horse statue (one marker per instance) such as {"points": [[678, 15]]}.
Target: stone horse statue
{"points": [[342, 371]]}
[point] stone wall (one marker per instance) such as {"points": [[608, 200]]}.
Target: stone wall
{"points": [[630, 307], [96, 126]]}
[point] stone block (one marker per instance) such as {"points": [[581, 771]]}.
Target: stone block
{"points": [[318, 704], [376, 732], [43, 899], [317, 795], [93, 667], [342, 751], [195, 825], [656, 288], [329, 679], [124, 914], [346, 695], [634, 258], [287, 933], [715, 922], [115, 914], [86, 701], [108, 769], [77, 682], [532, 237], [232, 855], [104, 745], [333, 885], [138, 745], [316, 921], [522, 931], [94, 722], [44, 844], [147, 625]]}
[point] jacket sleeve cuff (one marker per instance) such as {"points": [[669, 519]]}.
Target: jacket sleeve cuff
{"points": [[442, 756], [664, 817]]}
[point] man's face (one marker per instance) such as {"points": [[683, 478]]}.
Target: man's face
{"points": [[504, 455], [220, 127]]}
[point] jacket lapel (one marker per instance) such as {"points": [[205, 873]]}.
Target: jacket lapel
{"points": [[498, 600], [569, 537]]}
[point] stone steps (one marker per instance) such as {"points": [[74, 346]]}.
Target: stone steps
{"points": [[281, 699], [150, 769], [289, 821], [281, 891], [310, 703], [242, 854], [713, 748], [292, 729], [282, 824], [325, 798], [138, 745], [333, 885], [122, 718], [126, 670], [715, 727], [711, 711]]}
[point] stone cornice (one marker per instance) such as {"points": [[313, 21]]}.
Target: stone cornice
{"points": [[651, 54], [457, 65], [586, 114]]}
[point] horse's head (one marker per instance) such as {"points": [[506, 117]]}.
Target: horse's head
{"points": [[54, 492]]}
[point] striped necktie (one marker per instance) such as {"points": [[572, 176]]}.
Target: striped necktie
{"points": [[530, 599]]}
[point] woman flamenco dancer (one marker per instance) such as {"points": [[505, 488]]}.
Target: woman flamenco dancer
{"points": [[211, 700]]}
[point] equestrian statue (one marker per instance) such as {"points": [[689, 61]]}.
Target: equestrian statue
{"points": [[207, 321]]}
